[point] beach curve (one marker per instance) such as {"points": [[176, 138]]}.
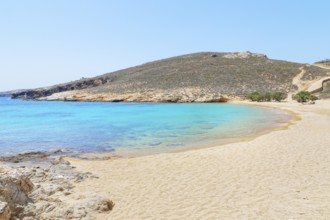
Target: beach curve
{"points": [[281, 175]]}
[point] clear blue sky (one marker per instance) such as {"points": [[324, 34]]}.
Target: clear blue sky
{"points": [[43, 42]]}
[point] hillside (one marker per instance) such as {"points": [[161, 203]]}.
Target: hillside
{"points": [[199, 77], [10, 93], [325, 62]]}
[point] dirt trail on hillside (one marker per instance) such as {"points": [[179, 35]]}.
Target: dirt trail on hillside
{"points": [[311, 86], [296, 81]]}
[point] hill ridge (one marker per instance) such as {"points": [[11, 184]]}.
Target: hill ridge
{"points": [[197, 77]]}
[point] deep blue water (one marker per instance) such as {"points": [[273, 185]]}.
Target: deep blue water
{"points": [[126, 127]]}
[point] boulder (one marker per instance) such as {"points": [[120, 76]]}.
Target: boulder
{"points": [[14, 189]]}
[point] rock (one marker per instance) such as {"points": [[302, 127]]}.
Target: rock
{"points": [[103, 205], [14, 189], [244, 55], [35, 156], [179, 95], [5, 212], [51, 195], [95, 202], [85, 206]]}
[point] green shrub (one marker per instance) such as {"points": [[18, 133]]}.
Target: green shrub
{"points": [[279, 96], [304, 96], [266, 96], [254, 96]]}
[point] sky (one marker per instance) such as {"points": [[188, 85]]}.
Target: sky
{"points": [[45, 42]]}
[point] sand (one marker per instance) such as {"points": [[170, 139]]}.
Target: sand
{"points": [[284, 174]]}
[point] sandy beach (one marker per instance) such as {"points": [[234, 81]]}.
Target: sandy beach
{"points": [[284, 174], [165, 110]]}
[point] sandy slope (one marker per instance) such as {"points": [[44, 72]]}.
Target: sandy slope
{"points": [[281, 175]]}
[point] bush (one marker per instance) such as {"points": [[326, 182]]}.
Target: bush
{"points": [[279, 96], [267, 96], [304, 96], [255, 96]]}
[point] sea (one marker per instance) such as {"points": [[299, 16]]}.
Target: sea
{"points": [[126, 129]]}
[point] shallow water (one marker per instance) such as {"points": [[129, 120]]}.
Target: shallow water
{"points": [[127, 127]]}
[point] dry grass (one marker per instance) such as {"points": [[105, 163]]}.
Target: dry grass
{"points": [[213, 73]]}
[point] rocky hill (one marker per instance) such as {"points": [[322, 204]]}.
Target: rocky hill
{"points": [[199, 77]]}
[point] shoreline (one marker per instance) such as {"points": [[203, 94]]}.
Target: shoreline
{"points": [[285, 118], [248, 179], [263, 178], [295, 117]]}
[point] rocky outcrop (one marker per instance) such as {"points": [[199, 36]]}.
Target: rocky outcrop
{"points": [[244, 55], [173, 96], [42, 92], [15, 188], [43, 188], [85, 206]]}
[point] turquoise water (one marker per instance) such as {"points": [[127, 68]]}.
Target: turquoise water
{"points": [[126, 127]]}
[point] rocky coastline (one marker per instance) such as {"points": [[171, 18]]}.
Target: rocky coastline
{"points": [[189, 95], [41, 186], [34, 94]]}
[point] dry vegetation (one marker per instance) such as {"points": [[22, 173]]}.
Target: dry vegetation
{"points": [[229, 74], [325, 62], [209, 71], [313, 72]]}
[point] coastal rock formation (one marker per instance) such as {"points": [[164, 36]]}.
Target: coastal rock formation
{"points": [[83, 207], [77, 85], [184, 95], [41, 187], [15, 188], [199, 77]]}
